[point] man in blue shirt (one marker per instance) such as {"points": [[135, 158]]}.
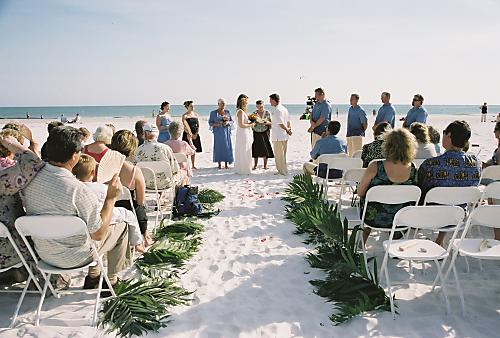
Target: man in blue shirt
{"points": [[321, 114], [356, 125], [417, 113], [330, 144], [454, 168], [387, 112]]}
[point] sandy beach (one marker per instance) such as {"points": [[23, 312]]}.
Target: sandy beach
{"points": [[250, 278]]}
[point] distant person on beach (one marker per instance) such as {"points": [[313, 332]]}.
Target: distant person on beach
{"points": [[387, 112], [63, 119], [191, 122], [261, 146], [374, 112], [320, 116], [163, 120], [484, 112], [417, 113], [454, 168], [330, 144], [281, 130], [221, 122], [139, 131], [27, 115], [77, 119], [357, 123]]}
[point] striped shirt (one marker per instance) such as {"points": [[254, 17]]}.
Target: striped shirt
{"points": [[55, 191]]}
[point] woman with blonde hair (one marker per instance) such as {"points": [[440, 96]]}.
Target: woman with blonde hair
{"points": [[425, 149], [399, 149]]}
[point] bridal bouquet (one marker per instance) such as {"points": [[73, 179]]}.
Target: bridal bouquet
{"points": [[225, 121], [255, 118]]}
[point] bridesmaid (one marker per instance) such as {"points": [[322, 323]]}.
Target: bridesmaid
{"points": [[190, 119], [220, 123], [162, 122], [261, 147]]}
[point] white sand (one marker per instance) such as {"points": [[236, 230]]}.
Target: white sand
{"points": [[251, 279]]}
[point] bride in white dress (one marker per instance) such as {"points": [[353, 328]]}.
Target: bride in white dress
{"points": [[244, 138]]}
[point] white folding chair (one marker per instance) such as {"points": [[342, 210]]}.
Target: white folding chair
{"points": [[336, 162], [48, 227], [357, 154], [487, 216], [418, 162], [420, 250], [150, 169], [387, 194], [490, 173], [4, 232], [350, 179]]}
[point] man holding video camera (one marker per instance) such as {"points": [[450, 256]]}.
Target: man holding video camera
{"points": [[321, 114]]}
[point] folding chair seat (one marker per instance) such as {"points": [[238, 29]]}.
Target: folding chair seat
{"points": [[50, 227]]}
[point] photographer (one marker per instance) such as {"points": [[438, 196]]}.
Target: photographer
{"points": [[320, 116]]}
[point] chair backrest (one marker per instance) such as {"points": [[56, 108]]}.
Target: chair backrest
{"points": [[4, 231], [180, 157], [429, 217], [485, 215], [353, 175], [51, 226], [325, 157], [157, 167], [492, 190], [376, 160], [418, 162], [342, 163], [357, 154], [126, 195], [453, 195], [393, 194], [492, 172]]}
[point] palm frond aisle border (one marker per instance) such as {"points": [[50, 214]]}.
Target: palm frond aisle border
{"points": [[351, 290]]}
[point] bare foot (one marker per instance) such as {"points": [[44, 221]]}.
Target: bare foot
{"points": [[226, 167], [148, 241], [254, 168], [195, 167], [139, 248], [265, 168]]}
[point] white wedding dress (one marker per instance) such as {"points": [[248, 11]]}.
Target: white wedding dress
{"points": [[243, 149]]}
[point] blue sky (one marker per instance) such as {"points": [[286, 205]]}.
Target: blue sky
{"points": [[56, 52]]}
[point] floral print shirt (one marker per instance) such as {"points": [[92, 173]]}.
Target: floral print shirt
{"points": [[154, 151], [12, 180]]}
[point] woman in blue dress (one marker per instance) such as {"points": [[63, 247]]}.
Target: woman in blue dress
{"points": [[162, 122], [220, 122]]}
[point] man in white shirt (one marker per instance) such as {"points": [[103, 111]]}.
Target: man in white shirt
{"points": [[280, 131]]}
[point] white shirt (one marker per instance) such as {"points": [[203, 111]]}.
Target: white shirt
{"points": [[279, 115]]}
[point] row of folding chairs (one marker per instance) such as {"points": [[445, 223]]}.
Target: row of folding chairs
{"points": [[441, 212]]}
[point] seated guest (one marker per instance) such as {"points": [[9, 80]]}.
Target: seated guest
{"points": [[151, 150], [330, 144], [453, 168], [425, 148], [177, 145], [84, 170], [399, 149], [435, 138], [13, 178], [85, 135], [7, 156], [55, 191], [50, 126], [125, 143], [98, 148], [25, 133], [373, 151], [494, 159], [139, 131]]}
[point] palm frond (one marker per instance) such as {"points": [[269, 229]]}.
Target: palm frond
{"points": [[210, 196], [141, 306]]}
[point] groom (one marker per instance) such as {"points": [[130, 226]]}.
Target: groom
{"points": [[280, 131]]}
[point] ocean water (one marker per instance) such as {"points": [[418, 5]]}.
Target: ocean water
{"points": [[204, 110]]}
